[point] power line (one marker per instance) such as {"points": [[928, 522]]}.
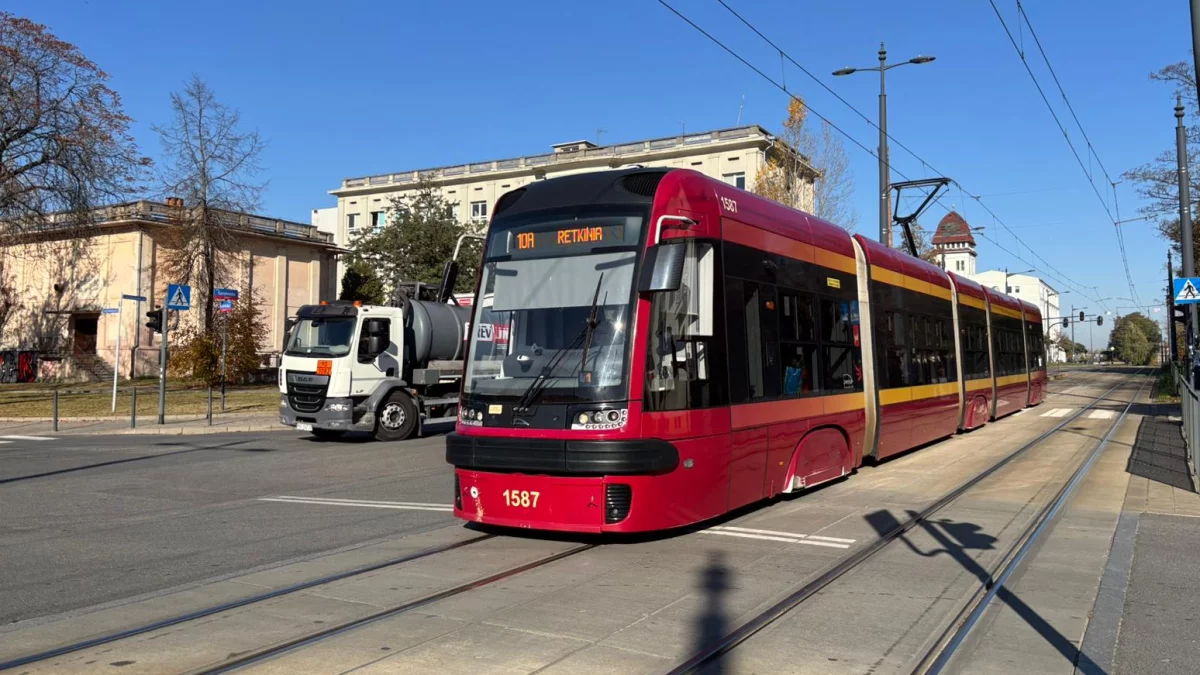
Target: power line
{"points": [[1066, 136], [1059, 275]]}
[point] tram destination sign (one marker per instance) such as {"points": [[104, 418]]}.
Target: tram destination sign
{"points": [[565, 239]]}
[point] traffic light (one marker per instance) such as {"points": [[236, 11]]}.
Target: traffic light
{"points": [[1067, 322], [1081, 317], [155, 322], [1100, 320]]}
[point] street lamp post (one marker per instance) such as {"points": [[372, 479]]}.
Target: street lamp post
{"points": [[1007, 274], [885, 183]]}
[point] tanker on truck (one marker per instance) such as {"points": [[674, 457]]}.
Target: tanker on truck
{"points": [[383, 369]]}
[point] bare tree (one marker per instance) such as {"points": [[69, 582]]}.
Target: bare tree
{"points": [[210, 164], [833, 188], [65, 145], [1158, 180], [807, 156]]}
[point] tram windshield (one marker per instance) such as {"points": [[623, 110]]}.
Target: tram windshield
{"points": [[554, 318]]}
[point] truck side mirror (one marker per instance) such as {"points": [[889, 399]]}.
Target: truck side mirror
{"points": [[663, 269], [374, 340]]}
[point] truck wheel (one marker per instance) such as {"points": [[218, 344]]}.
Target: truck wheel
{"points": [[396, 419], [327, 434]]}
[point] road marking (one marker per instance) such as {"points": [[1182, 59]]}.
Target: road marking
{"points": [[325, 501], [28, 438], [1101, 415], [786, 537], [3, 442], [1057, 412]]}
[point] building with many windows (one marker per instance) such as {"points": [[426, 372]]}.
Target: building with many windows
{"points": [[955, 245], [735, 155]]}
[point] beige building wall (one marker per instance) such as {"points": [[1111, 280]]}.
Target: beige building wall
{"points": [[727, 154], [62, 287]]}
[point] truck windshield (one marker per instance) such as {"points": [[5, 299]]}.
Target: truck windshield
{"points": [[532, 318], [322, 337]]}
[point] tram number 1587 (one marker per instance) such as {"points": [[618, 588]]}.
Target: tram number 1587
{"points": [[523, 498]]}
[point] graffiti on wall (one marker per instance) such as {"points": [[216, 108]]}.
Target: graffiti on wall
{"points": [[18, 366]]}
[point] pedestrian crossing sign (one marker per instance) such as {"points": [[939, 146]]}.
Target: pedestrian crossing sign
{"points": [[179, 297], [1187, 291]]}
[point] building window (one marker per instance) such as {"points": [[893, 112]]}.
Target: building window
{"points": [[352, 220], [1016, 289], [378, 218], [737, 180], [960, 266], [478, 210]]}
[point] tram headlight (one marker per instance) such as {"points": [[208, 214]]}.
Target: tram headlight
{"points": [[600, 420]]}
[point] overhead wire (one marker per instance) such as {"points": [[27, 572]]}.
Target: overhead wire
{"points": [[1066, 136], [1049, 270]]}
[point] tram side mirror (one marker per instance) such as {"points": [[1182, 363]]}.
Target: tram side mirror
{"points": [[663, 270]]}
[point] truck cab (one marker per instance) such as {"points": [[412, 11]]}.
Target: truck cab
{"points": [[385, 370]]}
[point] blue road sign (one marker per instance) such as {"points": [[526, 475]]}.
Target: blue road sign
{"points": [[225, 306], [179, 297], [110, 310], [137, 298], [1187, 290], [225, 294]]}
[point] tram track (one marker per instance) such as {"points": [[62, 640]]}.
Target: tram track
{"points": [[160, 624], [954, 636]]}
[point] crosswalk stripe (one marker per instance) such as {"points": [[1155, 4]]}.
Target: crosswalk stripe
{"points": [[323, 501], [1057, 412], [788, 540], [1101, 415], [2, 442], [28, 438], [783, 534]]}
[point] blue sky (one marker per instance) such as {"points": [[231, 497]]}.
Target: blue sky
{"points": [[368, 87]]}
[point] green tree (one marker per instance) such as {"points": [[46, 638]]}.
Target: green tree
{"points": [[1135, 339], [198, 354], [416, 241], [361, 283]]}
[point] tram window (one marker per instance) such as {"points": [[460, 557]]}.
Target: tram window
{"points": [[842, 370], [800, 362], [896, 367], [685, 365], [751, 305], [896, 329], [837, 321], [739, 385], [797, 320]]}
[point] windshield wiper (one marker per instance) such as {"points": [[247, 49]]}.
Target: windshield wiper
{"points": [[539, 383], [592, 321]]}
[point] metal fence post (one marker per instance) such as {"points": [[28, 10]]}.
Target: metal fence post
{"points": [[56, 408], [133, 411], [210, 405]]}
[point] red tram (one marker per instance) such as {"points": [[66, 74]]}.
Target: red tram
{"points": [[675, 348]]}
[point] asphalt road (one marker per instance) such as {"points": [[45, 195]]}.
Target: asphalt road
{"points": [[90, 520]]}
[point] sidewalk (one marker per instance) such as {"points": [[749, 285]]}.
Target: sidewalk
{"points": [[1156, 549], [175, 425]]}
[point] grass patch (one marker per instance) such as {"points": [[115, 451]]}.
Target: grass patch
{"points": [[92, 403], [1166, 389]]}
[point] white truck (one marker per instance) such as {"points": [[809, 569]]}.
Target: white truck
{"points": [[386, 370]]}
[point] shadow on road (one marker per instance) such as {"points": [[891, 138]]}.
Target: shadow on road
{"points": [[957, 540]]}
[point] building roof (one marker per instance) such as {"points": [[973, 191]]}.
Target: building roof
{"points": [[159, 213], [585, 150], [953, 230]]}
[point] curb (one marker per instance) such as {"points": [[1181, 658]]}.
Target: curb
{"points": [[125, 418], [201, 431]]}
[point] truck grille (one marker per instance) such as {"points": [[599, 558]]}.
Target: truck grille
{"points": [[306, 397]]}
